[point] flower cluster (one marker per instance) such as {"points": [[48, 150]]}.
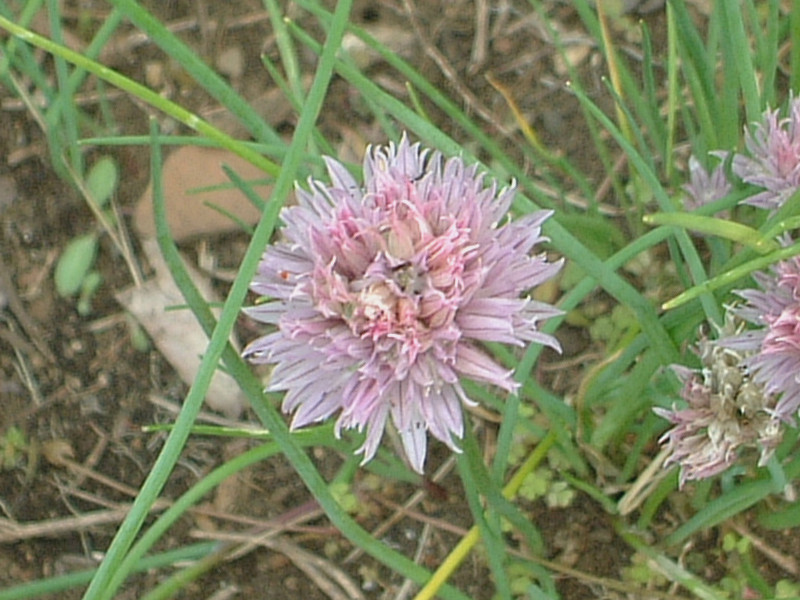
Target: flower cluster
{"points": [[774, 158], [749, 387], [771, 161], [728, 410], [382, 296], [774, 346], [704, 187], [750, 384]]}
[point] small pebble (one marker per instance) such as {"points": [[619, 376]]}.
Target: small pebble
{"points": [[8, 191], [230, 62], [154, 74]]}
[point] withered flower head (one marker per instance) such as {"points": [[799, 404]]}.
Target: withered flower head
{"points": [[727, 411]]}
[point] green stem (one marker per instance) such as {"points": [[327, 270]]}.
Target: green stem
{"points": [[145, 94]]}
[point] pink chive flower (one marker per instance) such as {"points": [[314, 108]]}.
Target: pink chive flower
{"points": [[774, 158], [383, 295], [775, 344], [704, 187], [727, 412]]}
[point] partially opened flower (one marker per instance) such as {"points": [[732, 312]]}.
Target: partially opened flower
{"points": [[773, 162], [774, 346], [383, 295], [727, 412], [704, 187]]}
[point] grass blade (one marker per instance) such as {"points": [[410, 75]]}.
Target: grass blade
{"points": [[202, 73]]}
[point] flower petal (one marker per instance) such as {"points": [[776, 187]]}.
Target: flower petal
{"points": [[380, 292]]}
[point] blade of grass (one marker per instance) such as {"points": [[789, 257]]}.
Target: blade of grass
{"points": [[62, 123], [731, 503], [658, 129], [19, 55], [625, 85], [672, 94], [271, 419], [699, 72], [724, 228], [416, 102], [649, 429], [559, 162], [200, 489], [286, 49], [769, 52], [92, 51], [673, 571], [103, 584], [489, 529], [656, 498], [783, 518], [247, 189], [629, 402], [276, 152], [598, 144], [198, 70], [733, 275], [794, 47], [295, 100], [739, 55], [61, 583], [182, 504], [562, 239], [635, 135], [463, 548], [292, 85], [614, 68], [649, 178], [728, 120], [175, 111]]}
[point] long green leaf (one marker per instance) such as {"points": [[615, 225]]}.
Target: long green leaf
{"points": [[733, 275], [563, 240], [731, 503], [741, 58], [650, 180], [143, 93], [698, 70], [724, 228], [202, 73], [63, 124], [61, 583]]}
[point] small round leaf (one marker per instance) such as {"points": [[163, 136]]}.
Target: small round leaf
{"points": [[74, 264], [102, 180]]}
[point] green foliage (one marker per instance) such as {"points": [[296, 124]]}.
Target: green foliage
{"points": [[14, 447], [101, 182], [75, 264], [74, 273], [787, 589], [733, 543], [611, 328], [642, 572], [536, 484], [344, 496]]}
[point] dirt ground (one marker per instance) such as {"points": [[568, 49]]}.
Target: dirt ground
{"points": [[78, 391]]}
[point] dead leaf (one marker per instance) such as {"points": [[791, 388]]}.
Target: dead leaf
{"points": [[189, 214], [175, 331]]}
